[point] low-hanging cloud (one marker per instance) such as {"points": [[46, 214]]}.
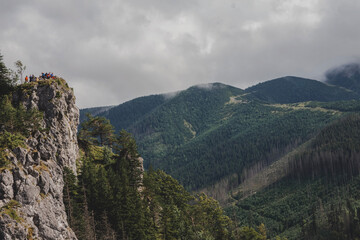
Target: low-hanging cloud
{"points": [[347, 71], [113, 51]]}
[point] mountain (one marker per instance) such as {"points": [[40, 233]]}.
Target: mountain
{"points": [[178, 119], [52, 189], [347, 76], [187, 135], [123, 115], [55, 184], [284, 152], [295, 89]]}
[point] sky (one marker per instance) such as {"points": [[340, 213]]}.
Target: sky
{"points": [[116, 50]]}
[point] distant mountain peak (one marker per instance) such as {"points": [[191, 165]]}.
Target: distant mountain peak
{"points": [[347, 76], [350, 70], [292, 89]]}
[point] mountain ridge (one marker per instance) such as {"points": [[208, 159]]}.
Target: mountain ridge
{"points": [[292, 89], [187, 115], [195, 115]]}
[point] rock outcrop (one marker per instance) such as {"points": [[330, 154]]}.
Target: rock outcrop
{"points": [[31, 189]]}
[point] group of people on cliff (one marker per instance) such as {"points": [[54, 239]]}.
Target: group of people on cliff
{"points": [[43, 76]]}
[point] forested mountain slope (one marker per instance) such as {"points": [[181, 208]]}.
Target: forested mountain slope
{"points": [[295, 89], [112, 197], [57, 185], [318, 197], [284, 152], [207, 133], [124, 115]]}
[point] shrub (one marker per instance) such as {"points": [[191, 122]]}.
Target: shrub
{"points": [[11, 209]]}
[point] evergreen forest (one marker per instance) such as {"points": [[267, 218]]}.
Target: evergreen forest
{"points": [[279, 160], [112, 197], [284, 153]]}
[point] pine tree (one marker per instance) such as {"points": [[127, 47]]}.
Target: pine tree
{"points": [[68, 193], [121, 201], [106, 232], [97, 130], [89, 221], [6, 82]]}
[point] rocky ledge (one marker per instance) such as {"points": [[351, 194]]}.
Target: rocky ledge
{"points": [[31, 189]]}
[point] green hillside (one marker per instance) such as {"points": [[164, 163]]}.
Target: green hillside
{"points": [[110, 196], [124, 115], [207, 133], [295, 89], [181, 119], [255, 133], [319, 198], [284, 152]]}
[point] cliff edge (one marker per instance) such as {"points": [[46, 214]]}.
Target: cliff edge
{"points": [[31, 186]]}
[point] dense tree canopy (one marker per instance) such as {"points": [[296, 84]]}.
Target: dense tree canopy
{"points": [[112, 198]]}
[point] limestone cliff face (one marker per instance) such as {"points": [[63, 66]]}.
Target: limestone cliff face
{"points": [[32, 188]]}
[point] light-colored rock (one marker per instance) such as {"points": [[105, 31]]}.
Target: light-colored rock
{"points": [[6, 183], [36, 178]]}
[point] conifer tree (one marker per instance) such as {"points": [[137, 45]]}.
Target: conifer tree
{"points": [[89, 221], [6, 82], [121, 201], [97, 130], [106, 232]]}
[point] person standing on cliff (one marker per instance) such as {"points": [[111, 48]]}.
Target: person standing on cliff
{"points": [[26, 79]]}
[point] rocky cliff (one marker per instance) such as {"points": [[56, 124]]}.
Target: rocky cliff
{"points": [[31, 188]]}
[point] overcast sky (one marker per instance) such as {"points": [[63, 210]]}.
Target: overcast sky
{"points": [[115, 50]]}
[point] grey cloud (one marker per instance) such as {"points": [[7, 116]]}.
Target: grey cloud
{"points": [[113, 51]]}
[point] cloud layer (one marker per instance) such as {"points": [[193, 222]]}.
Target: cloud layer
{"points": [[112, 51]]}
